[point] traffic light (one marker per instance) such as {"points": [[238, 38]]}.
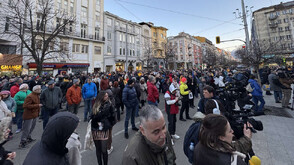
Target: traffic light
{"points": [[217, 40]]}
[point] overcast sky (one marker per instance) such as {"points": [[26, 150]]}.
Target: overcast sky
{"points": [[208, 18]]}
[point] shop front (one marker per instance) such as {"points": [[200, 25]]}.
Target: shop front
{"points": [[59, 68], [120, 66], [10, 64]]}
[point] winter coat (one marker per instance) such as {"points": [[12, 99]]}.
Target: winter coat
{"points": [[257, 91], [105, 115], [204, 155], [170, 106], [51, 150], [4, 111], [4, 124], [10, 103], [286, 82], [14, 89], [153, 94], [31, 106], [74, 95], [74, 146], [89, 91], [20, 98], [141, 151], [272, 78], [143, 90], [129, 96], [117, 94], [51, 98]]}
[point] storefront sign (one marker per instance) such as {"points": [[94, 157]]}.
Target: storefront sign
{"points": [[11, 67]]}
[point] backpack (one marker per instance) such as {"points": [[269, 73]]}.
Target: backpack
{"points": [[249, 88], [191, 136]]}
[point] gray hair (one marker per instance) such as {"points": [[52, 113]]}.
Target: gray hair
{"points": [[150, 113], [36, 87], [151, 78]]}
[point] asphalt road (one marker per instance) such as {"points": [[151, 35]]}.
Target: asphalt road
{"points": [[119, 142]]}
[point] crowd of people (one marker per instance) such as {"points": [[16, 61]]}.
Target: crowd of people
{"points": [[107, 96]]}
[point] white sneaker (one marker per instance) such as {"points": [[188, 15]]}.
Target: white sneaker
{"points": [[17, 131], [175, 136], [110, 150]]}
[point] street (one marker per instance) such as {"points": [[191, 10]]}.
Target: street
{"points": [[266, 144]]}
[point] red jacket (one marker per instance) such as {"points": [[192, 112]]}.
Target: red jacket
{"points": [[74, 95], [153, 94], [173, 108], [14, 89]]}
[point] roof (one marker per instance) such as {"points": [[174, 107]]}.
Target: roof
{"points": [[280, 6]]}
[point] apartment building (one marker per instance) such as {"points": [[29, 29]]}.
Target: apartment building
{"points": [[187, 51], [274, 29], [81, 40], [123, 46]]}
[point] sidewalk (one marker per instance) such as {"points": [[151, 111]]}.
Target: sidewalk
{"points": [[274, 145]]}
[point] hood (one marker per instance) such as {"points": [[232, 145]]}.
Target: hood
{"points": [[172, 88], [58, 130], [198, 116]]}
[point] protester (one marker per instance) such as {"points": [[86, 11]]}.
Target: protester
{"points": [[152, 144], [274, 86], [19, 99], [130, 100], [153, 94], [256, 94], [89, 93], [286, 82], [74, 97], [184, 90], [11, 105], [143, 91], [117, 94], [51, 149], [50, 99], [16, 87], [103, 118], [31, 112]]}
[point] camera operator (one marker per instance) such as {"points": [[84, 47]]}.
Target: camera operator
{"points": [[208, 93]]}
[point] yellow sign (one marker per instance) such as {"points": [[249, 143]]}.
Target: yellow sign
{"points": [[11, 67]]}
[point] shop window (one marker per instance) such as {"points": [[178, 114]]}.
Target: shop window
{"points": [[97, 50]]}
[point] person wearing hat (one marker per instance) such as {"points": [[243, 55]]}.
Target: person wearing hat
{"points": [[129, 98], [184, 91], [74, 96], [19, 99], [32, 108], [50, 98]]}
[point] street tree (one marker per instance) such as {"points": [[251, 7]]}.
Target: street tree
{"points": [[39, 27], [209, 57]]}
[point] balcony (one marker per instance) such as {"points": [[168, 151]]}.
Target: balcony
{"points": [[273, 17], [273, 25]]}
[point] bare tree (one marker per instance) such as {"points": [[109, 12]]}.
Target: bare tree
{"points": [[147, 55], [170, 52], [40, 27], [210, 57]]}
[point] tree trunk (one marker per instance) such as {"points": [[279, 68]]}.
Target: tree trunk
{"points": [[39, 68], [256, 67]]}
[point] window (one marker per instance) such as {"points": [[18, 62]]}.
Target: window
{"points": [[277, 13], [286, 20], [120, 37], [109, 22], [133, 52], [138, 52], [63, 46], [279, 21], [76, 48], [154, 34], [120, 51], [124, 37], [108, 50], [7, 24], [283, 46], [39, 44], [97, 50], [59, 4], [138, 40], [288, 37], [124, 51], [84, 48], [291, 45], [280, 29], [287, 28], [284, 12], [130, 52], [282, 38], [130, 41], [109, 35], [65, 6], [96, 33], [83, 30], [40, 23], [84, 12], [274, 30], [70, 26], [72, 6], [161, 35], [97, 5]]}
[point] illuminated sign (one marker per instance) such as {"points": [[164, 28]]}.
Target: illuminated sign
{"points": [[11, 67]]}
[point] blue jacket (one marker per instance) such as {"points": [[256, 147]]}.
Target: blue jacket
{"points": [[89, 91], [256, 88], [129, 96]]}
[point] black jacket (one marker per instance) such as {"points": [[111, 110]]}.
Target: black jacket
{"points": [[105, 115], [51, 150]]}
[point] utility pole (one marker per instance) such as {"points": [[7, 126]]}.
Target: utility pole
{"points": [[245, 26], [127, 51]]}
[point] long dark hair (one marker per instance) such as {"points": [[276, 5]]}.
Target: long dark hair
{"points": [[212, 128], [99, 101]]}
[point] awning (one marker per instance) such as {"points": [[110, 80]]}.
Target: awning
{"points": [[60, 65]]}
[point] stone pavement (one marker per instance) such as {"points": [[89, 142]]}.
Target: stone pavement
{"points": [[274, 145]]}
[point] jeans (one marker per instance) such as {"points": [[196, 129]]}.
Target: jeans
{"points": [[48, 113], [19, 119], [278, 95], [88, 108], [255, 100], [130, 112], [152, 103]]}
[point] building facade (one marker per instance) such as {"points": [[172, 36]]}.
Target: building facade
{"points": [[122, 44], [81, 41], [273, 29]]}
